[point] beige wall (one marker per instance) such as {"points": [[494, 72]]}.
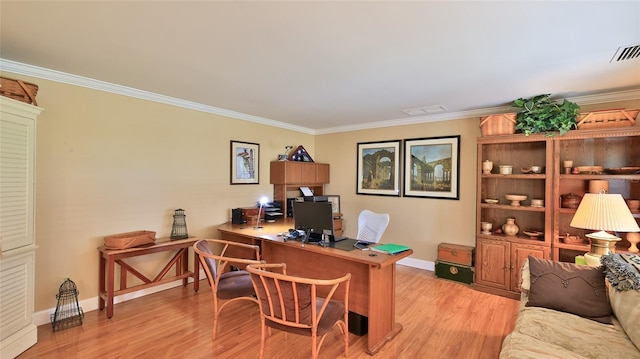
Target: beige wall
{"points": [[420, 223], [109, 164]]}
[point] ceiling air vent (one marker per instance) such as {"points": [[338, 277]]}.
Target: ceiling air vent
{"points": [[428, 110], [626, 53]]}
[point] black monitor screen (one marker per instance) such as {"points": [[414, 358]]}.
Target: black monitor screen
{"points": [[314, 216]]}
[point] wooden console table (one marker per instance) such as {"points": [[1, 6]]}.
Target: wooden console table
{"points": [[373, 278], [110, 257]]}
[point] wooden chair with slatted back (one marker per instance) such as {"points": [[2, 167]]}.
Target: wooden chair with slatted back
{"points": [[228, 284], [292, 304]]}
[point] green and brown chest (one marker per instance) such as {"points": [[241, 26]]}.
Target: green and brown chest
{"points": [[455, 262]]}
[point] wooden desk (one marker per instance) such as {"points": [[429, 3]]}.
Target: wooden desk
{"points": [[110, 257], [373, 279]]}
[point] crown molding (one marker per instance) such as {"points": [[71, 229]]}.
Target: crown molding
{"points": [[58, 76], [449, 116], [63, 77]]}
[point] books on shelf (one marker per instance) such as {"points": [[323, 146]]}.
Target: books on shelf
{"points": [[390, 248]]}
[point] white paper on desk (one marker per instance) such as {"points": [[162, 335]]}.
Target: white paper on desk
{"points": [[306, 191]]}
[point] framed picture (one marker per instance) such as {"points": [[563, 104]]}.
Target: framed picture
{"points": [[379, 168], [245, 163], [335, 203], [432, 167]]}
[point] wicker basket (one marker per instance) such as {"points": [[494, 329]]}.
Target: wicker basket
{"points": [[607, 118], [129, 239], [500, 124], [18, 90]]}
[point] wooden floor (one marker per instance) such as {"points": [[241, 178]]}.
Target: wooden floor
{"points": [[441, 319]]}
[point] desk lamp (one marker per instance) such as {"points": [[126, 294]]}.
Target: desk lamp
{"points": [[262, 201], [603, 212]]}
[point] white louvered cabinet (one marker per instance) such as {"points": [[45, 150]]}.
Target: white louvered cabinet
{"points": [[18, 332]]}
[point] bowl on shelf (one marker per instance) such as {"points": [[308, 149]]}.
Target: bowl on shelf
{"points": [[537, 202], [570, 200], [569, 239], [515, 198], [622, 170], [532, 169], [533, 234], [491, 201], [505, 169], [633, 204], [590, 170]]}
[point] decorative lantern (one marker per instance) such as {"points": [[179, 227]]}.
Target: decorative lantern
{"points": [[179, 230], [68, 312]]}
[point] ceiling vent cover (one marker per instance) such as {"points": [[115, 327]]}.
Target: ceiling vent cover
{"points": [[626, 53]]}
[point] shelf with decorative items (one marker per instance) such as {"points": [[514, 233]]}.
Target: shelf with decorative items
{"points": [[512, 221], [602, 154], [603, 160]]}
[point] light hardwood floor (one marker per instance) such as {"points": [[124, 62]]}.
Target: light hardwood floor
{"points": [[441, 319]]}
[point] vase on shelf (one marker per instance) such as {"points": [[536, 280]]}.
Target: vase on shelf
{"points": [[487, 166], [510, 228], [486, 227]]}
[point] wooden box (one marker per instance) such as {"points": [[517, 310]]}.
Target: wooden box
{"points": [[607, 119], [129, 239], [456, 253], [499, 124], [18, 90], [455, 272], [250, 215]]}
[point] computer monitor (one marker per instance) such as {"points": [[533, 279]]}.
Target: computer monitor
{"points": [[316, 217]]}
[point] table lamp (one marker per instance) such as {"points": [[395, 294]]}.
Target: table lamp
{"points": [[262, 201], [603, 212]]}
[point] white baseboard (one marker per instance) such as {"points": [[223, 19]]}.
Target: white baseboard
{"points": [[418, 263], [90, 304]]}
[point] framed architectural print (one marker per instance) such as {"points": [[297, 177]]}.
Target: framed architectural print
{"points": [[432, 167], [379, 168], [245, 163]]}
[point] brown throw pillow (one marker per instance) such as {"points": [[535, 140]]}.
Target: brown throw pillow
{"points": [[569, 288]]}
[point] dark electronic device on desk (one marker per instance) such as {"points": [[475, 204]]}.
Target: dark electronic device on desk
{"points": [[364, 245], [316, 218]]}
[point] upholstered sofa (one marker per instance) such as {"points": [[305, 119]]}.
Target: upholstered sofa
{"points": [[550, 330]]}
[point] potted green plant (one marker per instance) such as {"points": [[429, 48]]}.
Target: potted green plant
{"points": [[541, 114]]}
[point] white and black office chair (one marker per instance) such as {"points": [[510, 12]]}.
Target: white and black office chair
{"points": [[371, 226]]}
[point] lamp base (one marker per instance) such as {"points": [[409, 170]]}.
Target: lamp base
{"points": [[602, 243]]}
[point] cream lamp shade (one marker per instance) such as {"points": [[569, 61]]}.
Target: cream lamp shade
{"points": [[603, 212]]}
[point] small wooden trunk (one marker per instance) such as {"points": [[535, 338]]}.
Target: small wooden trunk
{"points": [[129, 239], [456, 253], [455, 272]]}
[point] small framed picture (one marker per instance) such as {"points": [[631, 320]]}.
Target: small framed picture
{"points": [[335, 203], [245, 163], [432, 167], [379, 168]]}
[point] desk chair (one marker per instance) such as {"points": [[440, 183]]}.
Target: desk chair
{"points": [[371, 226], [227, 284], [291, 304]]}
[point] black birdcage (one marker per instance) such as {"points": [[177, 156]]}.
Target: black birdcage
{"points": [[179, 230], [68, 312]]}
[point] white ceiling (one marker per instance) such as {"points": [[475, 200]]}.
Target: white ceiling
{"points": [[333, 65]]}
